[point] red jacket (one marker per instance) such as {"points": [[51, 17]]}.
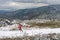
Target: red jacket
{"points": [[20, 27]]}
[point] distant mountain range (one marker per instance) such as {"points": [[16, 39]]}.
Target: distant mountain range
{"points": [[45, 12]]}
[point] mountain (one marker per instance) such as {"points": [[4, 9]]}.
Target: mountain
{"points": [[45, 12]]}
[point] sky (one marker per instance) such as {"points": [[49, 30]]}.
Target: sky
{"points": [[22, 4]]}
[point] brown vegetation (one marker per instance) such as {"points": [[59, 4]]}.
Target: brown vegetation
{"points": [[51, 24]]}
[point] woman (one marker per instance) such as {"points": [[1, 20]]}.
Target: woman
{"points": [[20, 27]]}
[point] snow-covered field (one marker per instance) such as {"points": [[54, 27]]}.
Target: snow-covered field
{"points": [[11, 31], [9, 27], [28, 32]]}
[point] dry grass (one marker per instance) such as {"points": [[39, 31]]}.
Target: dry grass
{"points": [[51, 24], [18, 38]]}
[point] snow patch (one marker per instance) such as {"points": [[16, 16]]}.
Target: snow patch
{"points": [[28, 32]]}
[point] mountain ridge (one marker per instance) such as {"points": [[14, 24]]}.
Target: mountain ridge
{"points": [[46, 12]]}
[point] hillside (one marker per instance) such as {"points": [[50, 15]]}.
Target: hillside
{"points": [[45, 12]]}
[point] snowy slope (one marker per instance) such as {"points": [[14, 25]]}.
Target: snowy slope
{"points": [[9, 27], [28, 32]]}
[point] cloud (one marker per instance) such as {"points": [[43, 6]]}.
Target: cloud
{"points": [[53, 1], [31, 1], [27, 5], [39, 1], [17, 5], [21, 4]]}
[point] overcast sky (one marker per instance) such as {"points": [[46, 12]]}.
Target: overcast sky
{"points": [[21, 4]]}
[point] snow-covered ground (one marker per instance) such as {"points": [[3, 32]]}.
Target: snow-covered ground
{"points": [[8, 32], [28, 32], [9, 27]]}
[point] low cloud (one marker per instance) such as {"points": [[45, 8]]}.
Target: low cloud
{"points": [[16, 5], [21, 4]]}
